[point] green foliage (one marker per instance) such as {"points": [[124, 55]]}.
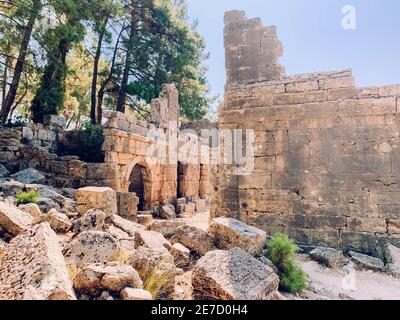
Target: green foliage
{"points": [[85, 143], [157, 280], [57, 43], [281, 251], [167, 49], [28, 197]]}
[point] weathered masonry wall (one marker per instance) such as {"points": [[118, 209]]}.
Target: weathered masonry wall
{"points": [[327, 156]]}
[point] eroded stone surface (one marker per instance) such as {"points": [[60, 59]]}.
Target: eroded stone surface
{"points": [[33, 267], [195, 239], [329, 257], [91, 247], [111, 277], [230, 233], [232, 275], [135, 294], [93, 219], [104, 199], [13, 220], [366, 262]]}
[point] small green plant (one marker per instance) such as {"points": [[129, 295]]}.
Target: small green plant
{"points": [[28, 197], [281, 251]]}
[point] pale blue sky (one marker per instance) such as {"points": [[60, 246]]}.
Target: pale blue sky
{"points": [[312, 36]]}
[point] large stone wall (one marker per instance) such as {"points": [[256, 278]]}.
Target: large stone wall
{"points": [[326, 166]]}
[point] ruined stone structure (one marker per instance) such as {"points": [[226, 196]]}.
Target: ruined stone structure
{"points": [[326, 166], [139, 157]]}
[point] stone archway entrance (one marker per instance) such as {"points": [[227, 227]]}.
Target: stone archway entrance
{"points": [[139, 183]]}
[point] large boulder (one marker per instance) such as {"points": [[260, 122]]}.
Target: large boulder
{"points": [[104, 199], [151, 239], [392, 257], [32, 267], [195, 239], [127, 203], [113, 277], [34, 210], [29, 176], [166, 227], [127, 226], [329, 257], [11, 188], [232, 275], [182, 256], [13, 220], [58, 221], [166, 212], [91, 247], [155, 266], [94, 219], [230, 233], [365, 262]]}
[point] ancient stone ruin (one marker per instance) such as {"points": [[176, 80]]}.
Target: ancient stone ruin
{"points": [[326, 166], [164, 213]]}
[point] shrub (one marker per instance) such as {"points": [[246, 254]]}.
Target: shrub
{"points": [[28, 197], [157, 280], [281, 251]]}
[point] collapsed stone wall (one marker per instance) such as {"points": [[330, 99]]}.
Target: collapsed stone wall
{"points": [[326, 153]]}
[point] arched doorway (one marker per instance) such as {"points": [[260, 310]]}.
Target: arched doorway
{"points": [[139, 183]]}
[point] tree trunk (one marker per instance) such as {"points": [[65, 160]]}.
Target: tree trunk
{"points": [[19, 67], [104, 84], [128, 62], [93, 118]]}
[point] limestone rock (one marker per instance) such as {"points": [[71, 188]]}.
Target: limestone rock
{"points": [[3, 171], [392, 256], [195, 239], [268, 263], [135, 294], [329, 257], [157, 264], [182, 256], [34, 210], [29, 176], [104, 199], [145, 220], [232, 275], [13, 220], [229, 233], [127, 226], [166, 212], [32, 267], [94, 219], [127, 203], [91, 247], [151, 239], [11, 188], [363, 261], [166, 227], [113, 277], [58, 221], [48, 193]]}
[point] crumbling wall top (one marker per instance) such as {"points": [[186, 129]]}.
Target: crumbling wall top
{"points": [[252, 50]]}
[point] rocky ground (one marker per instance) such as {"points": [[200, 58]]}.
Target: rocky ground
{"points": [[73, 244]]}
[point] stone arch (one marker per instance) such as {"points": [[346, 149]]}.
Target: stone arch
{"points": [[138, 179]]}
